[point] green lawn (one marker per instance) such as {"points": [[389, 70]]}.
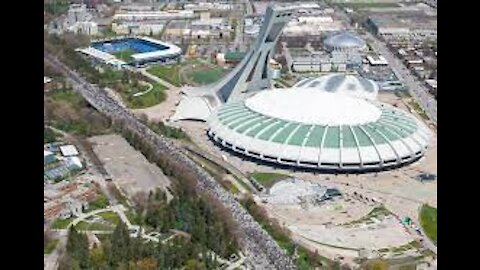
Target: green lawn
{"points": [[268, 179], [153, 97], [61, 223], [111, 217], [84, 226], [125, 55], [169, 73], [47, 249], [428, 220], [100, 202], [207, 75]]}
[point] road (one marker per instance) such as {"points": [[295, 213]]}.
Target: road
{"points": [[258, 246], [416, 88]]}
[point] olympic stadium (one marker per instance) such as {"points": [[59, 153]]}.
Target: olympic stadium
{"points": [[330, 123], [306, 126], [134, 51]]}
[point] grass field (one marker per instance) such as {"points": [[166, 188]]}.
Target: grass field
{"points": [[428, 220], [61, 223], [111, 217], [169, 73], [125, 55], [207, 75], [154, 97], [268, 179], [84, 226], [99, 203]]}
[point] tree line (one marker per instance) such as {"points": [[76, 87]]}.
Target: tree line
{"points": [[204, 232]]}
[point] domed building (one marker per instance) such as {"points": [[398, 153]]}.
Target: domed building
{"points": [[341, 83], [311, 126], [344, 42]]}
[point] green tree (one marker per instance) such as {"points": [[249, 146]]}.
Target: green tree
{"points": [[77, 247], [97, 257], [66, 262], [120, 250]]}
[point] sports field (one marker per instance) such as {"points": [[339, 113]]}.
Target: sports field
{"points": [[125, 55]]}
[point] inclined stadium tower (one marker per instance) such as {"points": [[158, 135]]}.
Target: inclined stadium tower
{"points": [[331, 123]]}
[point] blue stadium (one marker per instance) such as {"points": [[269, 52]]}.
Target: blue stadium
{"points": [[137, 45], [146, 50]]}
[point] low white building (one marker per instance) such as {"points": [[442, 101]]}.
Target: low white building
{"points": [[68, 150], [153, 15], [87, 28], [137, 28], [312, 25], [377, 61]]}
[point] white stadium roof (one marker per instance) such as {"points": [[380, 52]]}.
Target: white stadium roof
{"points": [[171, 51], [308, 127], [317, 107]]}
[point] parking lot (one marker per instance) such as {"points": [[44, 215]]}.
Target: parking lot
{"points": [[127, 166]]}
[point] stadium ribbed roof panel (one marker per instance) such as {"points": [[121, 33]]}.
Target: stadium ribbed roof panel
{"points": [[309, 128]]}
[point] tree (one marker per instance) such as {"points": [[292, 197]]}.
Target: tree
{"points": [[97, 257], [193, 264], [66, 262], [77, 247], [147, 264], [120, 239]]}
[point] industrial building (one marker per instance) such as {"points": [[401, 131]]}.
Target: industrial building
{"points": [[341, 51], [153, 15], [416, 24], [312, 25], [137, 28]]}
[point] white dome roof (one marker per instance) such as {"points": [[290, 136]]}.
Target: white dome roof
{"points": [[310, 106], [344, 40], [351, 85]]}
